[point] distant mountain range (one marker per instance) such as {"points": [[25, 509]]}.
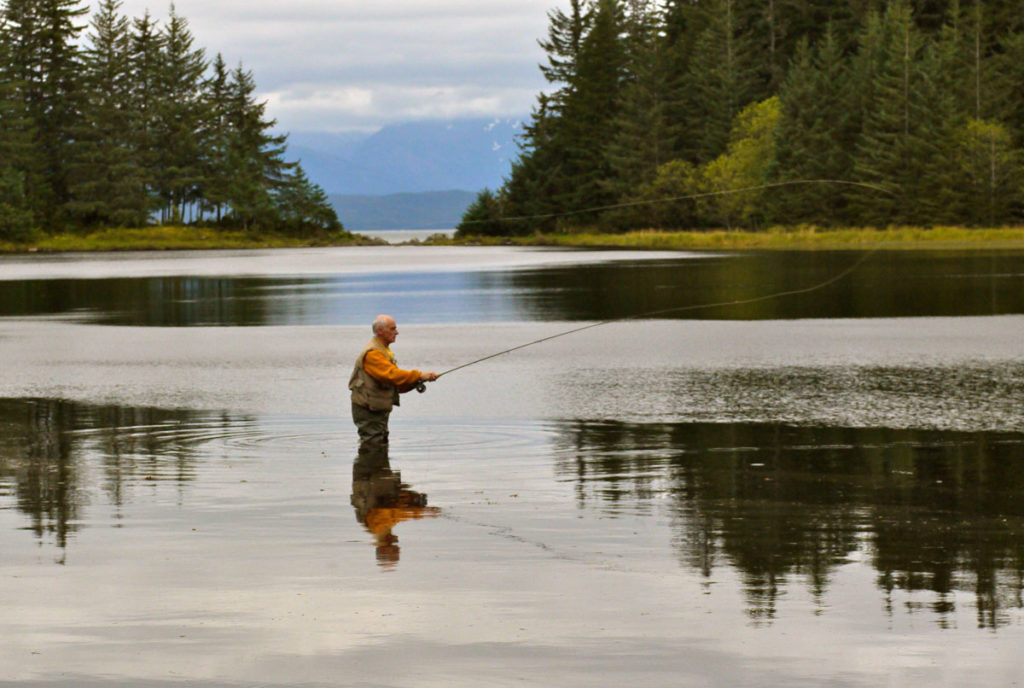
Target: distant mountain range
{"points": [[417, 175], [466, 154]]}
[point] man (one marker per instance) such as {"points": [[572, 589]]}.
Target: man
{"points": [[376, 383]]}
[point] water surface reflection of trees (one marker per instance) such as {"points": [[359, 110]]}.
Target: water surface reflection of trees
{"points": [[887, 284], [146, 301], [57, 457], [932, 512]]}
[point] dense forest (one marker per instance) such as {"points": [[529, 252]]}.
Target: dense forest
{"points": [[107, 121], [751, 113]]}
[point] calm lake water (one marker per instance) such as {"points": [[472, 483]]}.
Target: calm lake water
{"points": [[820, 489]]}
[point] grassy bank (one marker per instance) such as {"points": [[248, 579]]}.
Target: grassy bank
{"points": [[172, 238], [779, 238]]}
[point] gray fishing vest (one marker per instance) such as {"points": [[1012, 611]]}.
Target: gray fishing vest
{"points": [[367, 390]]}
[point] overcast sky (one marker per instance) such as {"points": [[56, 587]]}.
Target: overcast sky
{"points": [[338, 65]]}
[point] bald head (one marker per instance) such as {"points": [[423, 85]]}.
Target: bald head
{"points": [[385, 329], [382, 321]]}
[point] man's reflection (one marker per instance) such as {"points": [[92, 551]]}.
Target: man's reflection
{"points": [[382, 501]]}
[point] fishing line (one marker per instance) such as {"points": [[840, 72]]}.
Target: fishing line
{"points": [[693, 307], [680, 309], [670, 199]]}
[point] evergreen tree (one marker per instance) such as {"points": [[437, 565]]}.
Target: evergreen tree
{"points": [[304, 207], [927, 100], [813, 139], [1008, 67], [642, 135], [563, 45], [106, 181], [537, 179], [16, 150], [683, 23], [1003, 17], [906, 140], [180, 114], [145, 60], [254, 156], [780, 26], [483, 217], [966, 53], [764, 21], [721, 78], [216, 174], [589, 112], [543, 180], [45, 64]]}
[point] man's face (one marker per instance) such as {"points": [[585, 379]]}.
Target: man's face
{"points": [[388, 332]]}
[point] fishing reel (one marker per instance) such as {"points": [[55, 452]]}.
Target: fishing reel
{"points": [[421, 387]]}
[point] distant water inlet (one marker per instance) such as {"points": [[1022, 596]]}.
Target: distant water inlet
{"points": [[398, 236]]}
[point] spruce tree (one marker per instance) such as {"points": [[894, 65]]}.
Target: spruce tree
{"points": [[180, 114], [813, 139], [542, 180], [906, 142], [145, 60], [968, 69], [106, 181], [683, 23], [217, 139], [642, 135], [562, 46], [483, 217], [589, 112], [721, 79], [1008, 67], [254, 156], [303, 206], [46, 65], [536, 181], [16, 150]]}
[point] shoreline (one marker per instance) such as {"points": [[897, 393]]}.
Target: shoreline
{"points": [[172, 238], [777, 238]]}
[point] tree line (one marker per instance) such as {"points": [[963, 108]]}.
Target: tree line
{"points": [[751, 113], [125, 122]]}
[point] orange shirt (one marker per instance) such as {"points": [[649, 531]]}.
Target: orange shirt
{"points": [[382, 520], [380, 367]]}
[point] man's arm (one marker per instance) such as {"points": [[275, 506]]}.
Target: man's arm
{"points": [[377, 365]]}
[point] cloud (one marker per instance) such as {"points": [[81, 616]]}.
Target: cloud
{"points": [[309, 107], [340, 64]]}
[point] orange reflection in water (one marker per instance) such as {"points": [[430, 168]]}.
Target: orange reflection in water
{"points": [[382, 501]]}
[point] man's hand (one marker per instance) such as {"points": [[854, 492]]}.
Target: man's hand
{"points": [[428, 377]]}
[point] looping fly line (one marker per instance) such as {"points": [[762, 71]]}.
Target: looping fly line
{"points": [[690, 197], [680, 309]]}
